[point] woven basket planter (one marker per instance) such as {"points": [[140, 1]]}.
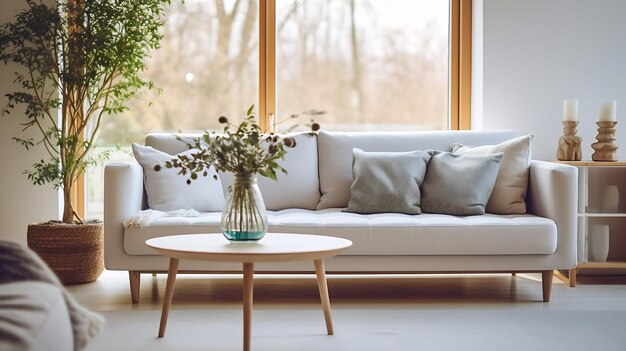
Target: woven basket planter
{"points": [[73, 251]]}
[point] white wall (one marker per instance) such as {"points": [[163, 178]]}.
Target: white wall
{"points": [[537, 53], [22, 202]]}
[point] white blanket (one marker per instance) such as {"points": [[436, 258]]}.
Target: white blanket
{"points": [[144, 218]]}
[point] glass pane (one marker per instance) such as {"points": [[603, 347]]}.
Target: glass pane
{"points": [[207, 66], [372, 65]]}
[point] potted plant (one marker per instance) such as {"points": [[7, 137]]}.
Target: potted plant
{"points": [[244, 151], [83, 59]]}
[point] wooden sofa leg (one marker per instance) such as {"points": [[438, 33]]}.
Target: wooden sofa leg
{"points": [[514, 274], [135, 278], [546, 282]]}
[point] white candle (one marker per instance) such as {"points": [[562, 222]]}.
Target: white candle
{"points": [[570, 110], [607, 110]]}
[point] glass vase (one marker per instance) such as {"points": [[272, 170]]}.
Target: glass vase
{"points": [[244, 218]]}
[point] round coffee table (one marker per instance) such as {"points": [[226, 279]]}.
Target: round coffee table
{"points": [[272, 248]]}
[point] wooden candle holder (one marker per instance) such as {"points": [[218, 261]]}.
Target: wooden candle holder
{"points": [[569, 144], [605, 148]]}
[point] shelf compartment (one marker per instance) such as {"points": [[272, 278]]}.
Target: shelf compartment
{"points": [[598, 180]]}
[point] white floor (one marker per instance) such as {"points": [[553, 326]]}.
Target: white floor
{"points": [[465, 312]]}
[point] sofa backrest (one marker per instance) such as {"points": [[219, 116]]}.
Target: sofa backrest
{"points": [[335, 153], [298, 189]]}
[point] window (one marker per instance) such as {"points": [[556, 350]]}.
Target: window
{"points": [[370, 64]]}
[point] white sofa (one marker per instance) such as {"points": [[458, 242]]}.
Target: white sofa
{"points": [[320, 175]]}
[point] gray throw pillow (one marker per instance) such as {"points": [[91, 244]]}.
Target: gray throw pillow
{"points": [[387, 181], [459, 184]]}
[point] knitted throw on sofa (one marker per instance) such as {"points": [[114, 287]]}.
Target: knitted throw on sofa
{"points": [[18, 263]]}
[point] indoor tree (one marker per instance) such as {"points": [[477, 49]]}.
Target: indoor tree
{"points": [[81, 62]]}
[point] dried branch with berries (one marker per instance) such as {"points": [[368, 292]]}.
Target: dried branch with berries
{"points": [[242, 150]]}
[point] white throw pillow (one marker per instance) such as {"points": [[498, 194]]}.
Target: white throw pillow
{"points": [[169, 191], [509, 192]]}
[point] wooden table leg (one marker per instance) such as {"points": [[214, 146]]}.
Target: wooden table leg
{"points": [[169, 292], [323, 287], [248, 284]]}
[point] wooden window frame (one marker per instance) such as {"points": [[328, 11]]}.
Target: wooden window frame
{"points": [[267, 62], [460, 101]]}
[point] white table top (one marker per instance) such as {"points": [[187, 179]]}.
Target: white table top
{"points": [[273, 247]]}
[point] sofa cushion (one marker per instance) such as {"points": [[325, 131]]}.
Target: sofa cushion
{"points": [[297, 189], [335, 153], [509, 193], [446, 188], [387, 181], [384, 233]]}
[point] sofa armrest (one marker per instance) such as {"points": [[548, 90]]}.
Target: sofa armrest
{"points": [[553, 193], [123, 198]]}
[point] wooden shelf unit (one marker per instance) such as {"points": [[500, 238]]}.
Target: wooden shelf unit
{"points": [[593, 176]]}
